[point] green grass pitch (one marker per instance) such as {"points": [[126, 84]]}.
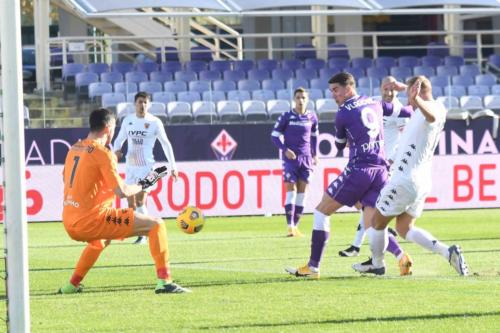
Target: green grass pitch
{"points": [[235, 268]]}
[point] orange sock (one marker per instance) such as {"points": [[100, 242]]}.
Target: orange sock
{"points": [[159, 250], [87, 259]]}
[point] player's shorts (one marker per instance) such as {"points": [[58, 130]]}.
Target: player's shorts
{"points": [[358, 184], [400, 197], [293, 173], [135, 173], [109, 223]]}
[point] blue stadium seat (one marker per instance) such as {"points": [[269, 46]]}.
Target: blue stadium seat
{"points": [[471, 103], [355, 71], [431, 61], [179, 112], [263, 95], [112, 99], [195, 66], [98, 68], [408, 61], [470, 70], [304, 51], [282, 74], [224, 85], [361, 62], [199, 86], [84, 79], [243, 65], [130, 97], [97, 89], [306, 74], [158, 109], [234, 75], [254, 110], [150, 86], [478, 90], [175, 86], [495, 89], [486, 79], [201, 53], [229, 111], [319, 84], [315, 93], [276, 107], [171, 66], [111, 77], [210, 75], [188, 96], [326, 109], [462, 80], [214, 96], [385, 62], [249, 85], [427, 71], [160, 76], [456, 61], [220, 65], [401, 73], [455, 90], [136, 77], [122, 67], [368, 82], [440, 81], [437, 91], [258, 74], [315, 64], [284, 94], [338, 62], [291, 64], [125, 87], [446, 70], [337, 50], [171, 54], [238, 95], [376, 72], [297, 83], [439, 49], [70, 70], [327, 73], [163, 97], [273, 84], [267, 64], [204, 112], [185, 76], [365, 91], [494, 60], [492, 102], [147, 67]]}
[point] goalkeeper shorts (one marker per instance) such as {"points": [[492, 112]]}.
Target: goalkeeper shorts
{"points": [[109, 223]]}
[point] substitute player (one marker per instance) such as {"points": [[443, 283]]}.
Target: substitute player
{"points": [[91, 182], [404, 195], [296, 135], [141, 131]]}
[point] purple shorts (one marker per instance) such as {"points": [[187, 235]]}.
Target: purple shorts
{"points": [[293, 171], [358, 184]]}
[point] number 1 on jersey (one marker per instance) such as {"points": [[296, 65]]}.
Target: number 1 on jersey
{"points": [[73, 171]]}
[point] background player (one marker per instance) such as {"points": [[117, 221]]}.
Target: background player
{"points": [[299, 130], [141, 131], [404, 195], [90, 184]]}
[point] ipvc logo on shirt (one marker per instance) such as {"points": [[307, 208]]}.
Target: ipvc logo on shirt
{"points": [[224, 146]]}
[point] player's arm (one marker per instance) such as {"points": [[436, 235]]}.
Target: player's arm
{"points": [[277, 137], [167, 149], [391, 109], [107, 166], [120, 139], [414, 95], [314, 139], [340, 132]]}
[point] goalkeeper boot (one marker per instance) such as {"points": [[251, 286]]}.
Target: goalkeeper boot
{"points": [[305, 271], [405, 264], [163, 287], [368, 267], [70, 289], [457, 260], [351, 251]]}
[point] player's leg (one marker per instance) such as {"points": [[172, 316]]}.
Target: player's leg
{"points": [[291, 195], [353, 250], [140, 207], [87, 260], [299, 204]]}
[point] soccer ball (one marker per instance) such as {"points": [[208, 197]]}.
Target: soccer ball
{"points": [[190, 220]]}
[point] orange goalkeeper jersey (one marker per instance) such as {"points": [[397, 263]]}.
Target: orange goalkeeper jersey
{"points": [[90, 177]]}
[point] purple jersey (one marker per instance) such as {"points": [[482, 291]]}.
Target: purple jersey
{"points": [[299, 132], [360, 122]]}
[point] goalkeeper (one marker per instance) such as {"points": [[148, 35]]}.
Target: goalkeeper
{"points": [[141, 129], [91, 182]]}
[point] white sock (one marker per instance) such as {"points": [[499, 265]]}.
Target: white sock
{"points": [[299, 200], [360, 233], [142, 209], [290, 197], [426, 240], [378, 245]]}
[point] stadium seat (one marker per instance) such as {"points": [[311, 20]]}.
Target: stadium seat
{"points": [[147, 67], [365, 91], [492, 102], [125, 87], [213, 96], [431, 61], [326, 73], [361, 62], [258, 74], [486, 79], [446, 70], [185, 76], [315, 64], [171, 66], [199, 86], [283, 74], [437, 91], [234, 75], [188, 96], [455, 90], [427, 71], [471, 103], [319, 84], [267, 64], [273, 84], [486, 113], [401, 73], [111, 100], [175, 86], [195, 66], [209, 75], [243, 65], [377, 72], [201, 53], [450, 102], [161, 77], [204, 112], [355, 71], [97, 89], [478, 90], [326, 109], [150, 87], [254, 110], [338, 63], [470, 70], [82, 81], [408, 61], [368, 82], [290, 64], [439, 49], [456, 61], [158, 109], [462, 80], [123, 109], [304, 51], [440, 81], [136, 77], [338, 50], [164, 97], [238, 95], [315, 94], [385, 62], [98, 68], [111, 77], [224, 85], [276, 107], [171, 54], [297, 83], [220, 65], [284, 94], [122, 67], [305, 74], [130, 97], [249, 85], [70, 70], [495, 89], [229, 111], [179, 112], [263, 95]]}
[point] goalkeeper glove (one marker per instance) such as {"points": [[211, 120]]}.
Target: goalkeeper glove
{"points": [[153, 177]]}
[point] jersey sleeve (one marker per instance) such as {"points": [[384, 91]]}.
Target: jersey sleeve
{"points": [[278, 131], [120, 138], [340, 129], [314, 135], [106, 163], [391, 109], [166, 145]]}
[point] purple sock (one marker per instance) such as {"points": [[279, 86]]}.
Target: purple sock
{"points": [[297, 215], [289, 211], [393, 246], [319, 239]]}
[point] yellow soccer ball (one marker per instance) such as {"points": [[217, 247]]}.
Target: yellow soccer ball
{"points": [[191, 220]]}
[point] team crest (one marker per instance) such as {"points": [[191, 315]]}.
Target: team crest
{"points": [[146, 125]]}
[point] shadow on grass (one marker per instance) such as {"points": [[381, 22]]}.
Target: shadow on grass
{"points": [[358, 320]]}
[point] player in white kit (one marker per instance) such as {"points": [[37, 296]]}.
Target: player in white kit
{"points": [[393, 127], [404, 195], [141, 130]]}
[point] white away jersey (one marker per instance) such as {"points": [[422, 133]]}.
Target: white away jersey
{"points": [[393, 126], [141, 135], [413, 159]]}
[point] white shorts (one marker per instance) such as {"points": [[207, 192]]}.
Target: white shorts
{"points": [[135, 173], [397, 198]]}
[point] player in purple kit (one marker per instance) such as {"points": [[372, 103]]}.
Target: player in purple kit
{"points": [[299, 129], [359, 124]]}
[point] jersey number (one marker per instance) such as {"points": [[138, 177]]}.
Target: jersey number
{"points": [[370, 121], [76, 159]]}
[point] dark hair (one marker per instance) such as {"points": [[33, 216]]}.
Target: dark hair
{"points": [[344, 79], [142, 94], [300, 90], [99, 119]]}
